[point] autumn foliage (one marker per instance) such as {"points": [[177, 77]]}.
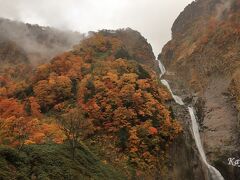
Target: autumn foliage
{"points": [[118, 95]]}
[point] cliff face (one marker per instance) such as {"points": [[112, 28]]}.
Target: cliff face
{"points": [[202, 59], [206, 41]]}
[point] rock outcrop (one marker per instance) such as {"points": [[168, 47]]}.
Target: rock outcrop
{"points": [[202, 60], [184, 161]]}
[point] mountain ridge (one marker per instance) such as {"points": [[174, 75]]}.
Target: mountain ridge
{"points": [[202, 61]]}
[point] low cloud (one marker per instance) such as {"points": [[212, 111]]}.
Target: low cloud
{"points": [[153, 18]]}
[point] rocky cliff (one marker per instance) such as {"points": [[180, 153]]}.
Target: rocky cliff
{"points": [[203, 62]]}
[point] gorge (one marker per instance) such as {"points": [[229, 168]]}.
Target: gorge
{"points": [[204, 71], [214, 174], [99, 106]]}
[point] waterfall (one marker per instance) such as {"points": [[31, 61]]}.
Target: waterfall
{"points": [[176, 98], [162, 68], [215, 174]]}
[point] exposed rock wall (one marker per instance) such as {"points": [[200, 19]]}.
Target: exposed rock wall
{"points": [[202, 60], [184, 160]]}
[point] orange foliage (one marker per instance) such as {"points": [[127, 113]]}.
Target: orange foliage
{"points": [[52, 91], [24, 130], [17, 130], [52, 132], [35, 107], [153, 130], [113, 92], [11, 107], [115, 98]]}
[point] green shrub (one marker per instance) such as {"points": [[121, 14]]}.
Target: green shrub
{"points": [[53, 162]]}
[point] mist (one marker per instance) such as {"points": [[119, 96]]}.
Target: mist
{"points": [[152, 18], [40, 44]]}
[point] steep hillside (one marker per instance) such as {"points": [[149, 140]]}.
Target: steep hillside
{"points": [[138, 47], [105, 90], [202, 60], [53, 161], [11, 53], [24, 46]]}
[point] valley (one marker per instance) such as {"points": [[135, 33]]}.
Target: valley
{"points": [[100, 106]]}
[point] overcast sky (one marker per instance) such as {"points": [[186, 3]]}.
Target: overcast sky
{"points": [[153, 18]]}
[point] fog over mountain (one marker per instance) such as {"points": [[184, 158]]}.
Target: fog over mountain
{"points": [[153, 18], [83, 97]]}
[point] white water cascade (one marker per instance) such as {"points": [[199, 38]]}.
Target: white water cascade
{"points": [[215, 174]]}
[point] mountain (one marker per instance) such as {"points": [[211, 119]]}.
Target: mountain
{"points": [[38, 43], [97, 111], [138, 47], [202, 62], [11, 53], [97, 107], [24, 46]]}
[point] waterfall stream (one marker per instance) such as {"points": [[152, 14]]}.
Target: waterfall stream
{"points": [[214, 173]]}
